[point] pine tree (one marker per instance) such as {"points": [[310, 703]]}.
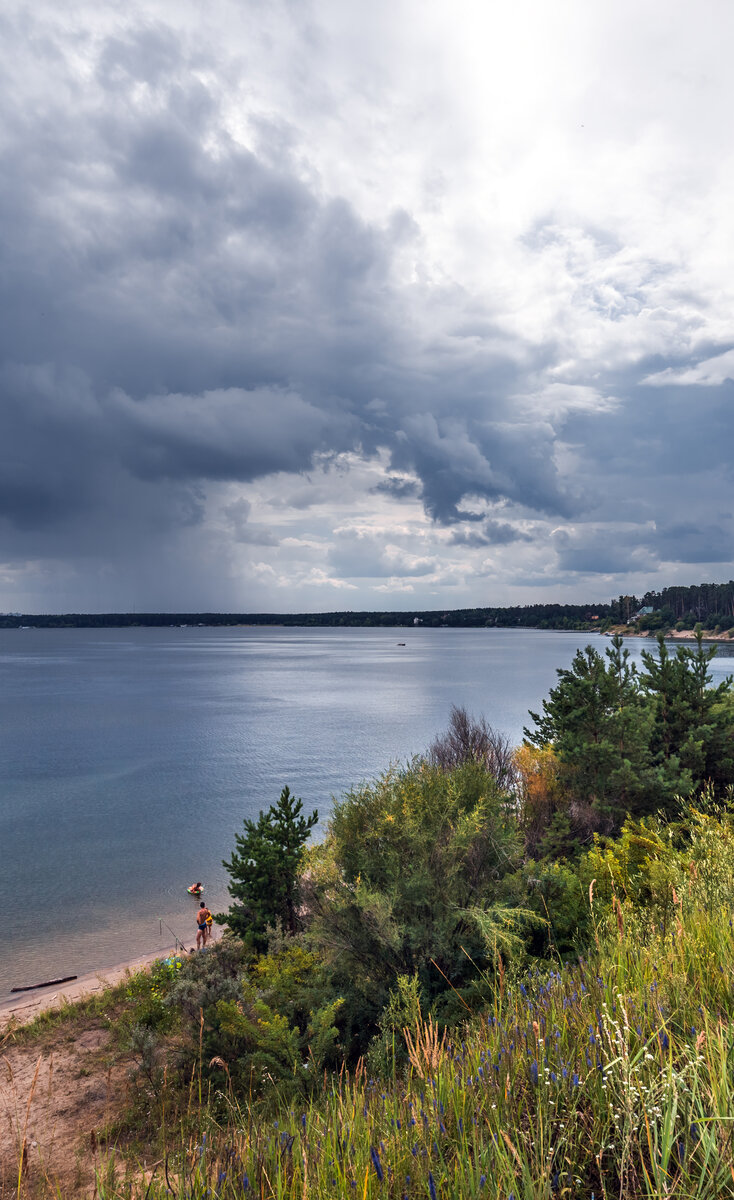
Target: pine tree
{"points": [[692, 735], [596, 722], [264, 870]]}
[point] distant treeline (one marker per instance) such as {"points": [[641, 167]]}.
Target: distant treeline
{"points": [[711, 604], [532, 616]]}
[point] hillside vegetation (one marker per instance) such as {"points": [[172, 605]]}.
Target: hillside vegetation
{"points": [[612, 1076]]}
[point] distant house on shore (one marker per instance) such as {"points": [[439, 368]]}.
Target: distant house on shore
{"points": [[644, 612]]}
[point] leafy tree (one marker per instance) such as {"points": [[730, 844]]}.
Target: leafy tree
{"points": [[543, 802], [558, 897], [264, 871], [409, 861]]}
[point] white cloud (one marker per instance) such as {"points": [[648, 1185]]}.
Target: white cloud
{"points": [[712, 372]]}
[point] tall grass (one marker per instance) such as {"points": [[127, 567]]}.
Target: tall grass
{"points": [[609, 1077]]}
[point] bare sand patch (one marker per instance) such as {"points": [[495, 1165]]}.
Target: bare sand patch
{"points": [[60, 1089], [56, 1096]]}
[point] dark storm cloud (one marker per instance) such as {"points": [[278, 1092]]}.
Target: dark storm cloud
{"points": [[491, 533], [594, 552], [688, 542], [456, 456], [244, 531], [661, 431], [229, 434], [205, 314], [591, 550], [399, 489]]}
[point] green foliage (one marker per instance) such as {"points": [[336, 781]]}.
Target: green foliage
{"points": [[598, 725], [692, 739], [633, 743], [420, 909], [405, 859], [611, 1076], [388, 1052], [264, 871], [280, 1030], [207, 977], [558, 897], [661, 870], [503, 929]]}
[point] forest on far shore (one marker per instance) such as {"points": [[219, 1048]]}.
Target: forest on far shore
{"points": [[709, 604]]}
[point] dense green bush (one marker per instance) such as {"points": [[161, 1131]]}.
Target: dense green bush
{"points": [[408, 881]]}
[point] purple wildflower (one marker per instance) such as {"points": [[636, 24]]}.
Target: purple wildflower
{"points": [[431, 1187], [376, 1163]]}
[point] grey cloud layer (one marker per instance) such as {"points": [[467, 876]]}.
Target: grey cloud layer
{"points": [[180, 310], [223, 318]]}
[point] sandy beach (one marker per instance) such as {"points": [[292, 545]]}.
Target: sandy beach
{"points": [[672, 635], [24, 1006]]}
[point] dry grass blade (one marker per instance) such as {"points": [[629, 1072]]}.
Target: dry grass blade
{"points": [[23, 1157], [425, 1049]]}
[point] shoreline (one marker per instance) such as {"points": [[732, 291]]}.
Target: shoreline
{"points": [[23, 1007], [683, 635]]}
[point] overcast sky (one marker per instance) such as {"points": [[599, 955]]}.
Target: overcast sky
{"points": [[316, 304]]}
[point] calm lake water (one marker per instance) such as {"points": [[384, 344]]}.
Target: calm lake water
{"points": [[130, 757]]}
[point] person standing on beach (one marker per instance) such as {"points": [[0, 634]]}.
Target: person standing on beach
{"points": [[201, 925]]}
